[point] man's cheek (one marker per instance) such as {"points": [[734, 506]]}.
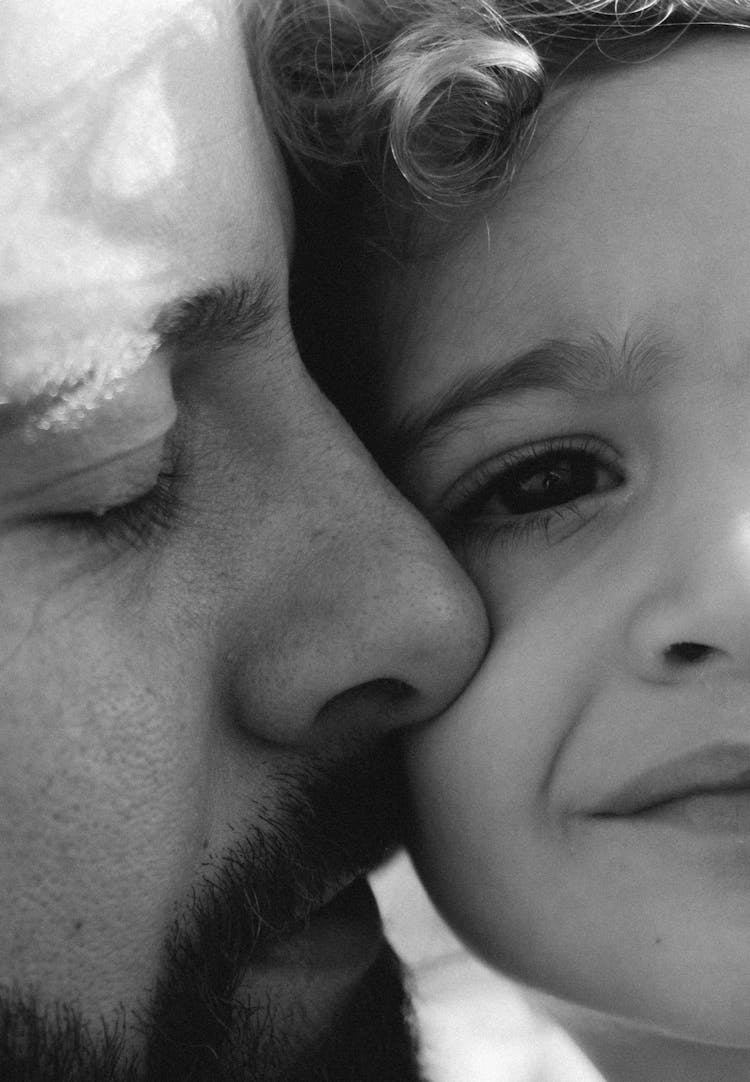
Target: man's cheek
{"points": [[100, 833]]}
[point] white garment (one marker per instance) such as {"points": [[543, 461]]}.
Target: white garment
{"points": [[473, 1023]]}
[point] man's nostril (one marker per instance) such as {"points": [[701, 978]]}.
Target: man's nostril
{"points": [[390, 690], [383, 698], [681, 653]]}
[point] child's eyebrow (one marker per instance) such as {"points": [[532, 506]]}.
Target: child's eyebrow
{"points": [[578, 368]]}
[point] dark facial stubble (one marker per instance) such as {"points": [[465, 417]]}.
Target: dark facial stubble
{"points": [[333, 823]]}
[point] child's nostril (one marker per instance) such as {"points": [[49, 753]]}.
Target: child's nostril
{"points": [[687, 652]]}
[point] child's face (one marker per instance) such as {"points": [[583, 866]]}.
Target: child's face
{"points": [[583, 357]]}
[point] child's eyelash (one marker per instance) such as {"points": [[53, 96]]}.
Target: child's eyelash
{"points": [[480, 535], [469, 519]]}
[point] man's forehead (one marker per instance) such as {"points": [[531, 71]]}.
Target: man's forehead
{"points": [[52, 46], [108, 101], [141, 171]]}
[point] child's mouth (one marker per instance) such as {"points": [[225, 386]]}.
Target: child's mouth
{"points": [[706, 790]]}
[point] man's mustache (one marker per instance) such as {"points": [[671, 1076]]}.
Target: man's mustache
{"points": [[333, 823]]}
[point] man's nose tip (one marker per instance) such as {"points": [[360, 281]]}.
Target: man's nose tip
{"points": [[371, 647], [388, 699], [412, 650], [425, 651]]}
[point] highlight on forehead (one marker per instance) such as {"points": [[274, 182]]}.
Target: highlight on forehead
{"points": [[53, 46], [41, 360], [87, 108], [97, 360], [89, 176], [59, 337]]}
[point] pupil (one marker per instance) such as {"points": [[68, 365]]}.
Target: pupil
{"points": [[543, 484], [553, 478]]}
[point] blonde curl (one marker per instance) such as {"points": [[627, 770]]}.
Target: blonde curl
{"points": [[430, 99]]}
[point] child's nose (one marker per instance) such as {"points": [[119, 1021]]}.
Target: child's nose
{"points": [[694, 618]]}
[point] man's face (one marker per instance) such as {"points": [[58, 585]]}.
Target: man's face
{"points": [[214, 610]]}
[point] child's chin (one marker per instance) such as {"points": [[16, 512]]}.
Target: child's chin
{"points": [[716, 1018]]}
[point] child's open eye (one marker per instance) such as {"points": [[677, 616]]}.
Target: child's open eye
{"points": [[548, 480], [530, 487]]}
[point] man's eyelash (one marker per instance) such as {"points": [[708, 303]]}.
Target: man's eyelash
{"points": [[135, 524]]}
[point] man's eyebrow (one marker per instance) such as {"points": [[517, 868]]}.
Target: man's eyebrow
{"points": [[225, 314], [581, 369]]}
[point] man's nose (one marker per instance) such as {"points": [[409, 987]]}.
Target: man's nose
{"points": [[369, 619], [694, 619]]}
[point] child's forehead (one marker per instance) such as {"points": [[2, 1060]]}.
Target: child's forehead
{"points": [[685, 99], [628, 211], [601, 154]]}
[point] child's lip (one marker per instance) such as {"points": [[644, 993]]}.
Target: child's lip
{"points": [[712, 770]]}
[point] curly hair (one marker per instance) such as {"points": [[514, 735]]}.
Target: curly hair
{"points": [[408, 116], [431, 99]]}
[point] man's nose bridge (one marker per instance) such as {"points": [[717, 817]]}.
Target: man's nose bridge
{"points": [[371, 611], [356, 520], [370, 552]]}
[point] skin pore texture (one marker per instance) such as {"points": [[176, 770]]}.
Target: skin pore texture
{"points": [[570, 386], [216, 613]]}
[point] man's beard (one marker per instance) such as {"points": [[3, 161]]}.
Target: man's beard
{"points": [[335, 823]]}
